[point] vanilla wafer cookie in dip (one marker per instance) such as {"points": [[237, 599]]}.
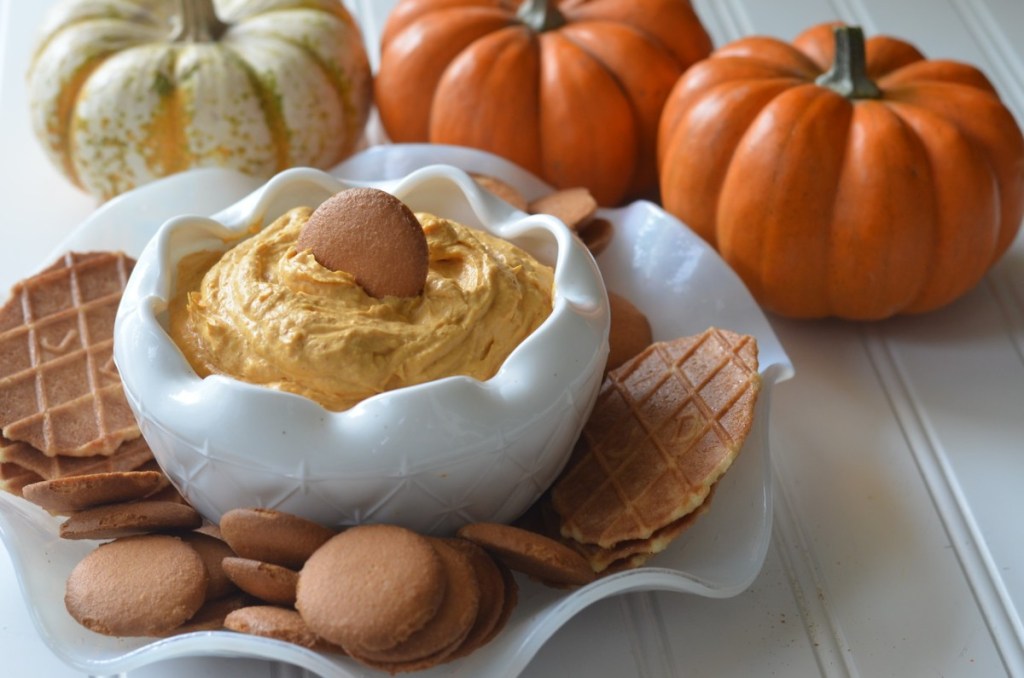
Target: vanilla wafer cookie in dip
{"points": [[59, 389], [667, 424], [372, 235]]}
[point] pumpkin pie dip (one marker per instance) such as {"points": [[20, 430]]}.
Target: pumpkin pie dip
{"points": [[266, 313]]}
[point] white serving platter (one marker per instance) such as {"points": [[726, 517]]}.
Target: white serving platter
{"points": [[653, 260]]}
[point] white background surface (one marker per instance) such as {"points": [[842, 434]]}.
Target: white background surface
{"points": [[899, 446]]}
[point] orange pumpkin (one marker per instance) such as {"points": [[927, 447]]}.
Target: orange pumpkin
{"points": [[572, 91], [843, 178]]}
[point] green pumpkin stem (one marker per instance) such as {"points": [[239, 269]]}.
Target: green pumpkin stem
{"points": [[540, 15], [848, 76], [199, 22]]}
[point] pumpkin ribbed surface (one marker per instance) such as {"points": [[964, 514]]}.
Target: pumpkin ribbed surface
{"points": [[124, 92], [572, 90], [835, 205]]}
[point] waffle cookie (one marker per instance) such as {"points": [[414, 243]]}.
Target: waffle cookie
{"points": [[667, 424], [22, 464], [633, 553], [59, 389], [14, 479]]}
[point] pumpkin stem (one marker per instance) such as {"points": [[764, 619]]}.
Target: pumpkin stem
{"points": [[198, 22], [848, 76], [540, 15]]}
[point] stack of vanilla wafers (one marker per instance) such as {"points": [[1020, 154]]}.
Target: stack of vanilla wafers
{"points": [[62, 406], [388, 597]]}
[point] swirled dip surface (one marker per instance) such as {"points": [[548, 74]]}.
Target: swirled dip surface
{"points": [[266, 313]]}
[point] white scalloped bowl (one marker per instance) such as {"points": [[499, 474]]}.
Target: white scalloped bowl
{"points": [[431, 457]]}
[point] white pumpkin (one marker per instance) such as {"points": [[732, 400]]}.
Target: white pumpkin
{"points": [[125, 91]]}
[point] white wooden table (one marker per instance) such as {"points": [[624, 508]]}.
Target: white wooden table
{"points": [[899, 447]]}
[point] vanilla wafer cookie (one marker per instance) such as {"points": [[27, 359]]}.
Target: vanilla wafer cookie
{"points": [[59, 389], [536, 555], [118, 520], [667, 424], [268, 582], [279, 623], [212, 615], [502, 189], [144, 585], [597, 234], [574, 206], [630, 332], [76, 493]]}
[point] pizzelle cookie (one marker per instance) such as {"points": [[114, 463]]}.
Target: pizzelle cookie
{"points": [[14, 478], [633, 553], [667, 424], [129, 456], [59, 389]]}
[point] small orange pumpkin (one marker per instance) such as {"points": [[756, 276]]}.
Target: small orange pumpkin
{"points": [[571, 90], [843, 178]]}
